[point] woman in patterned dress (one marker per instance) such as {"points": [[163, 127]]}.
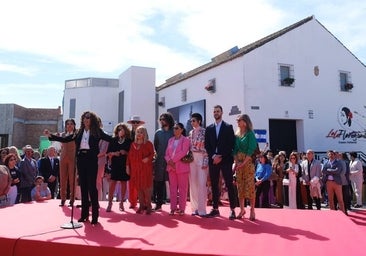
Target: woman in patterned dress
{"points": [[245, 144]]}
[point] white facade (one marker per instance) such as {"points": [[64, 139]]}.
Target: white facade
{"points": [[138, 85], [89, 97], [313, 103], [103, 96]]}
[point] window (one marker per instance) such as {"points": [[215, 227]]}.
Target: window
{"points": [[345, 81], [286, 75], [184, 95], [4, 138], [121, 106], [72, 108]]}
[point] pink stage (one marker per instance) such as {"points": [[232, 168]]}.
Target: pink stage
{"points": [[34, 229]]}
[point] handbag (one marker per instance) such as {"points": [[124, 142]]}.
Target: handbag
{"points": [[188, 158], [286, 182]]}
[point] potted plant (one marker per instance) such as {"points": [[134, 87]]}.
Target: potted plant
{"points": [[210, 87], [288, 81], [348, 86]]}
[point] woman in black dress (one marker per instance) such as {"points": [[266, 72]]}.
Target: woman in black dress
{"points": [[117, 153]]}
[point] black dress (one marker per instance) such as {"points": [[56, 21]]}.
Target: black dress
{"points": [[118, 163]]}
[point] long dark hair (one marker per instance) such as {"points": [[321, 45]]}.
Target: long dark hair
{"points": [[94, 124], [124, 127], [71, 121], [168, 117]]}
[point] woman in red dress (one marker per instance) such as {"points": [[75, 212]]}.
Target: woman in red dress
{"points": [[140, 168]]}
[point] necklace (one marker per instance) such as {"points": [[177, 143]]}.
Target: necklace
{"points": [[121, 140]]}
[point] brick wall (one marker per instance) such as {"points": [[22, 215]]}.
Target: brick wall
{"points": [[29, 123]]}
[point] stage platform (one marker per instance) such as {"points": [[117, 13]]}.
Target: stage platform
{"points": [[34, 229]]}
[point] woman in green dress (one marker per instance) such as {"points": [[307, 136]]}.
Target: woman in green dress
{"points": [[245, 145]]}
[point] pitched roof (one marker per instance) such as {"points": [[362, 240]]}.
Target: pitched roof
{"points": [[235, 52]]}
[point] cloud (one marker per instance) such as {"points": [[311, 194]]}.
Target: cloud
{"points": [[16, 69], [72, 39], [111, 36]]}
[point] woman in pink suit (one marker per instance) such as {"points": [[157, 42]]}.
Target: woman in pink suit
{"points": [[178, 171]]}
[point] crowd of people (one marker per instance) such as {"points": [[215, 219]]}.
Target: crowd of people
{"points": [[175, 167]]}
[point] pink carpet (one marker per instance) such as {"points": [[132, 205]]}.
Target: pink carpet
{"points": [[34, 229]]}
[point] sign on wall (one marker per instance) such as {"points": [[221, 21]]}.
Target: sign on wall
{"points": [[352, 125]]}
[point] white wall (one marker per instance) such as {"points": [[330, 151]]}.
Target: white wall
{"points": [[305, 47], [101, 100], [138, 84]]}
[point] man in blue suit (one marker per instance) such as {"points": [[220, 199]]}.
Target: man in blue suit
{"points": [[332, 180], [219, 144], [49, 168]]}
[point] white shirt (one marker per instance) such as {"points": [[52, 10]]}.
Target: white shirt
{"points": [[84, 144]]}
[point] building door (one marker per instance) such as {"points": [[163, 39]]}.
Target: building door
{"points": [[282, 135]]}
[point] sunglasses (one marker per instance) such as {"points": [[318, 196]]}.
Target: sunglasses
{"points": [[136, 122], [193, 121], [176, 128]]}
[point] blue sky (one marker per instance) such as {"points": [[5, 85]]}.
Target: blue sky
{"points": [[43, 43]]}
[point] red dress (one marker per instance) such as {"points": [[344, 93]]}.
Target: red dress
{"points": [[141, 174]]}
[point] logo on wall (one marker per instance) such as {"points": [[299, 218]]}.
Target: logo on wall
{"points": [[345, 117], [352, 126]]}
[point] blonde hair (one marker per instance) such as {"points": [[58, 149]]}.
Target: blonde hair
{"points": [[15, 151], [144, 132], [246, 120], [294, 154]]}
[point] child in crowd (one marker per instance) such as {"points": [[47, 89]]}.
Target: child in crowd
{"points": [[41, 191]]}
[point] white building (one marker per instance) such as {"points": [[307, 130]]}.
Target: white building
{"points": [[301, 87], [114, 100]]}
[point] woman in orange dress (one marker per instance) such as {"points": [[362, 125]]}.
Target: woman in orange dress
{"points": [[140, 168]]}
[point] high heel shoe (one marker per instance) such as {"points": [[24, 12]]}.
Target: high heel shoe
{"points": [[252, 214], [83, 219], [241, 214], [121, 206], [109, 207]]}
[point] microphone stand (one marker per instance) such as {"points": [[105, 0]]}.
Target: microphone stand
{"points": [[72, 224]]}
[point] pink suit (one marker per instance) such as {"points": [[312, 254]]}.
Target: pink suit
{"points": [[178, 175]]}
